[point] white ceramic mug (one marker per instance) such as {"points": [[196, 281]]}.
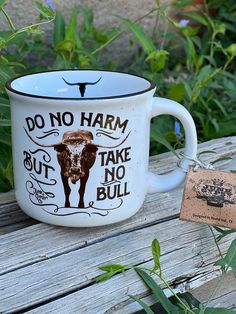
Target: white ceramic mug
{"points": [[81, 143]]}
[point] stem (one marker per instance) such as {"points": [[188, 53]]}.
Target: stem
{"points": [[159, 275], [215, 289], [26, 28], [175, 295], [212, 42], [8, 20], [164, 35], [216, 243], [107, 43], [227, 63], [121, 32]]}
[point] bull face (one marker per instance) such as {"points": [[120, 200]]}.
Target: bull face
{"points": [[76, 154]]}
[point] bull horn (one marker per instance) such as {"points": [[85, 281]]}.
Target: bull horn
{"points": [[42, 145], [115, 145]]}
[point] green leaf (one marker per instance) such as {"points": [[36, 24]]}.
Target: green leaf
{"points": [[231, 50], [9, 172], [226, 128], [2, 2], [4, 186], [111, 270], [59, 29], [68, 45], [145, 41], [158, 136], [205, 75], [44, 11], [230, 258], [157, 291], [196, 17], [190, 299], [104, 277], [223, 232], [5, 137], [157, 60], [177, 92], [4, 100], [87, 19], [4, 110], [221, 107], [156, 253], [188, 89], [5, 122], [113, 267], [146, 308], [71, 28], [220, 28], [190, 52]]}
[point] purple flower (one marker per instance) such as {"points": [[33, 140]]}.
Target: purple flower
{"points": [[50, 5], [183, 23], [177, 129]]}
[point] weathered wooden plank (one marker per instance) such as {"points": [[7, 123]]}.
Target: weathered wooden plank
{"points": [[111, 296], [8, 197], [51, 241], [224, 296], [187, 250], [10, 214], [17, 226], [160, 164]]}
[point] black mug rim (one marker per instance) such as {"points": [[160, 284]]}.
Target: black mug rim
{"points": [[9, 87]]}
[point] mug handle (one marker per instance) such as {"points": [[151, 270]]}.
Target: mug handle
{"points": [[170, 180]]}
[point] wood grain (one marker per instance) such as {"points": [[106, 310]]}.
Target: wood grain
{"points": [[187, 251], [42, 264]]}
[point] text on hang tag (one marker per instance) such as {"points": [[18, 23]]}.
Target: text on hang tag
{"points": [[210, 198]]}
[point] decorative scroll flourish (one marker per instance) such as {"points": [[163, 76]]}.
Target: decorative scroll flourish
{"points": [[51, 181], [101, 132], [37, 194], [46, 157], [54, 132], [64, 211]]}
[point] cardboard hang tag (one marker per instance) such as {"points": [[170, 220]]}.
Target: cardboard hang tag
{"points": [[210, 198]]}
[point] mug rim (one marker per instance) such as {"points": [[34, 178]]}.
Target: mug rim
{"points": [[9, 87]]}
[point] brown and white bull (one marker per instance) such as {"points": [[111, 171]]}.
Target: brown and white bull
{"points": [[76, 154]]}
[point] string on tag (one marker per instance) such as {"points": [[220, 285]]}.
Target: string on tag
{"points": [[196, 163]]}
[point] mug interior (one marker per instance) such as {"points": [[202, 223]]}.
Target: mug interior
{"points": [[75, 84]]}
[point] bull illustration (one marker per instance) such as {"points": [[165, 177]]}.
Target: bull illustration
{"points": [[76, 154]]}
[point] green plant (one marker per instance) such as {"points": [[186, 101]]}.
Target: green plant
{"points": [[19, 41], [179, 303], [80, 47], [201, 76]]}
